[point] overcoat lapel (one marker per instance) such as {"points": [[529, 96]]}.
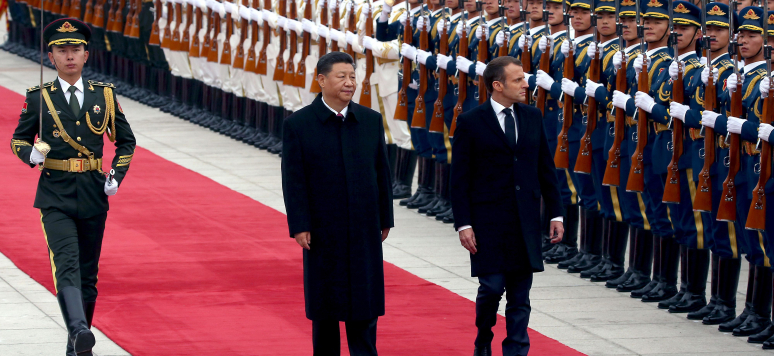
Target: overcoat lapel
{"points": [[490, 118]]}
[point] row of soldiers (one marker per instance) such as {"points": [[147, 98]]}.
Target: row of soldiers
{"points": [[657, 111]]}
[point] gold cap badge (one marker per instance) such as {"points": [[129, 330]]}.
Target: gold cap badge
{"points": [[682, 9], [67, 27], [655, 3], [750, 15], [716, 11], [771, 19], [628, 3]]}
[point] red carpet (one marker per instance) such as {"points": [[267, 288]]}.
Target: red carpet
{"points": [[190, 267]]}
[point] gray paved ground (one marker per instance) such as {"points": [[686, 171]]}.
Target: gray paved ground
{"points": [[578, 313]]}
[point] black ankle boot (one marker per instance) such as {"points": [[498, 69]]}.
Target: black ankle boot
{"points": [[71, 305]]}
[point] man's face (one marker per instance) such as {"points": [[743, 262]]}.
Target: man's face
{"points": [[719, 35], [470, 6], [340, 83], [535, 8], [512, 8], [413, 1], [68, 60], [606, 23], [629, 28], [581, 18], [750, 43], [452, 4], [554, 13], [655, 29], [492, 7], [515, 86], [686, 35]]}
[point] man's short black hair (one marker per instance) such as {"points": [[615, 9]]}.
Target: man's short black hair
{"points": [[325, 63], [495, 70]]}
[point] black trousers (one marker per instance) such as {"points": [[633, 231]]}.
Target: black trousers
{"points": [[516, 287], [74, 246], [361, 337]]}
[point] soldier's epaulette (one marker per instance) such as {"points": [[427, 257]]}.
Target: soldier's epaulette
{"points": [[45, 85], [761, 72], [725, 64], [662, 55], [101, 84]]}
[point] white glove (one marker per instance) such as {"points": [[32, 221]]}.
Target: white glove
{"points": [[403, 18], [480, 68], [620, 99], [764, 87], [591, 88], [544, 80], [735, 125], [482, 34], [282, 22], [257, 16], [414, 85], [443, 61], [592, 52], [705, 75], [731, 82], [421, 24], [408, 51], [459, 29], [337, 35], [569, 86], [708, 118], [422, 56], [351, 38], [764, 131], [678, 110], [111, 187], [644, 101], [384, 16], [297, 26], [36, 157], [369, 42], [638, 63], [322, 31], [618, 60], [500, 38], [244, 13], [221, 11], [525, 37], [543, 43], [565, 48], [527, 76], [441, 24], [307, 25], [463, 64], [673, 70]]}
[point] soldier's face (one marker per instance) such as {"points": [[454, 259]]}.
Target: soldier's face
{"points": [[581, 18], [340, 83], [512, 9], [606, 23], [554, 13], [535, 8], [470, 6], [629, 28], [492, 7], [719, 35], [686, 35], [69, 60], [452, 4], [750, 44], [655, 29], [514, 88]]}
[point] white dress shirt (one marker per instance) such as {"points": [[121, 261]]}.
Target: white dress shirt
{"points": [[78, 93], [343, 112], [498, 109]]}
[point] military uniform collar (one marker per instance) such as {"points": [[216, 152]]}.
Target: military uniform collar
{"points": [[399, 6], [720, 58], [520, 24], [436, 12], [493, 21], [556, 34], [603, 45], [651, 52], [65, 85], [632, 48], [581, 38], [534, 30], [683, 56], [752, 66], [472, 21], [414, 10], [455, 16]]}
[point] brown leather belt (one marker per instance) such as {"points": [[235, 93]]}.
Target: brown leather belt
{"points": [[659, 128], [75, 165]]}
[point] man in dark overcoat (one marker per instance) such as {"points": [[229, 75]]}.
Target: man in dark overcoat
{"points": [[338, 198]]}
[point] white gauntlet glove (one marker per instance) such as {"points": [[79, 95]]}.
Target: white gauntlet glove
{"points": [[678, 110], [708, 118], [322, 31], [705, 75], [544, 80], [644, 101], [735, 125], [369, 42], [525, 37], [592, 52], [111, 187], [620, 99], [731, 82], [591, 88], [36, 157], [384, 16], [463, 64], [351, 38], [543, 43], [618, 60], [673, 70], [565, 48], [403, 18], [307, 25], [500, 38], [408, 51], [422, 56], [764, 132], [569, 86], [480, 68], [443, 61], [764, 87]]}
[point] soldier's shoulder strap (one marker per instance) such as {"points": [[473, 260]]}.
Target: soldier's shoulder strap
{"points": [[101, 84], [37, 87]]}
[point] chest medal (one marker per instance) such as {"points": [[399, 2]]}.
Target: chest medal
{"points": [[96, 109], [56, 133]]}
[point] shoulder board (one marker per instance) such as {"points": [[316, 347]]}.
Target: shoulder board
{"points": [[37, 87], [101, 84], [761, 72], [725, 64], [662, 55]]}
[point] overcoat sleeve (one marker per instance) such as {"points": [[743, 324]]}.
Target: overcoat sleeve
{"points": [[460, 173], [294, 187], [384, 181], [125, 144]]}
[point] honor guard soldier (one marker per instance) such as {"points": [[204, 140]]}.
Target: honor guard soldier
{"points": [[741, 127], [537, 29], [70, 116]]}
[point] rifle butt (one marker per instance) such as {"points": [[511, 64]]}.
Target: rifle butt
{"points": [[365, 94], [300, 79], [672, 186], [315, 85], [401, 111], [756, 218], [636, 182], [583, 161], [562, 155], [612, 177], [419, 120], [727, 207]]}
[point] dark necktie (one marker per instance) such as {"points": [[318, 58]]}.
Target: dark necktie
{"points": [[74, 105], [340, 116], [510, 127]]}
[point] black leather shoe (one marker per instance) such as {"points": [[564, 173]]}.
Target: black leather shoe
{"points": [[426, 195], [690, 303], [661, 292], [612, 272], [752, 325], [565, 257], [444, 215], [769, 344], [587, 262], [704, 311], [733, 323], [645, 289], [615, 282], [552, 251], [599, 268], [665, 304], [762, 336], [483, 351]]}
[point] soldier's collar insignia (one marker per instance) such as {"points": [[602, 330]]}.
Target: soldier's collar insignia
{"points": [[628, 3], [715, 11], [53, 88], [67, 27], [96, 109], [24, 108], [751, 15], [682, 9], [654, 3], [91, 87]]}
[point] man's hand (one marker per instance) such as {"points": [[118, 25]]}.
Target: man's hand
{"points": [[36, 157], [304, 239], [556, 231], [468, 240], [385, 232], [111, 187]]}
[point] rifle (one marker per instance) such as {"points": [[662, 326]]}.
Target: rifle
{"points": [[322, 45], [212, 54], [703, 199], [195, 48], [98, 17], [526, 54], [583, 162], [155, 32], [251, 66], [483, 51], [419, 120], [401, 111], [207, 45], [134, 32], [62, 5], [75, 9], [562, 155], [351, 27], [335, 24], [167, 29], [239, 58], [503, 50], [672, 186], [89, 13], [290, 70], [225, 57], [279, 70], [756, 218], [176, 42], [300, 80], [636, 181], [111, 19], [545, 62], [263, 58], [462, 83], [612, 175], [727, 207], [365, 94], [437, 123]]}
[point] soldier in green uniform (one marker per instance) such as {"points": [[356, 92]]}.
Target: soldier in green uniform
{"points": [[73, 190]]}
